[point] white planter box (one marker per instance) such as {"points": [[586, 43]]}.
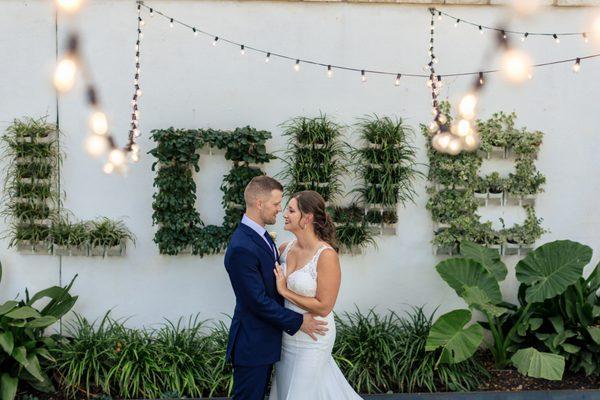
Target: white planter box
{"points": [[497, 247], [510, 249], [498, 152], [70, 251], [481, 199], [388, 229], [445, 250], [496, 199], [36, 248], [525, 249]]}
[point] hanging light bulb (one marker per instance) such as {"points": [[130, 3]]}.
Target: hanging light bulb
{"points": [[297, 66], [64, 76], [525, 7], [397, 82], [329, 71], [442, 118], [116, 157], [195, 31], [363, 77], [481, 81], [429, 83], [441, 141], [215, 40], [524, 36], [515, 65], [98, 123], [454, 146], [151, 12], [139, 92], [433, 127], [556, 38], [463, 128], [108, 168], [135, 157], [142, 22], [456, 23], [577, 65], [268, 57], [529, 75], [96, 145], [467, 106], [480, 29], [171, 23], [471, 142], [242, 49], [585, 37], [595, 28], [439, 15], [69, 5], [135, 148]]}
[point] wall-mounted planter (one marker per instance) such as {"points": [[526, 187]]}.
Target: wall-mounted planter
{"points": [[525, 249], [352, 250], [34, 248], [70, 251], [481, 199], [495, 199], [108, 251], [510, 249], [497, 247], [388, 229], [521, 200], [445, 250]]}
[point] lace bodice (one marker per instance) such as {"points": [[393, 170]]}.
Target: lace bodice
{"points": [[303, 280]]}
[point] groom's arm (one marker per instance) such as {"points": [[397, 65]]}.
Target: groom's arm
{"points": [[249, 287]]}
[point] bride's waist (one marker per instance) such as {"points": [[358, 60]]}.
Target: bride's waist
{"points": [[294, 307]]}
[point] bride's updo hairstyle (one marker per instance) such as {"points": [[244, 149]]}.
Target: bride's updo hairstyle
{"points": [[311, 202]]}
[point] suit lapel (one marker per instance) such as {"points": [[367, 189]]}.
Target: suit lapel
{"points": [[257, 239]]}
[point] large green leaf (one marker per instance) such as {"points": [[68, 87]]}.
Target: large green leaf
{"points": [[593, 280], [41, 322], [23, 313], [594, 332], [536, 364], [52, 292], [457, 343], [489, 258], [8, 387], [6, 307], [7, 341], [471, 281], [552, 268]]}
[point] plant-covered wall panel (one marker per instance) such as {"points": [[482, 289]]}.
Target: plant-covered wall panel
{"points": [[318, 158], [39, 224], [458, 190], [177, 153]]}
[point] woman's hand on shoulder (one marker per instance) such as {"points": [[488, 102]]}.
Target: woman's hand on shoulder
{"points": [[282, 247]]}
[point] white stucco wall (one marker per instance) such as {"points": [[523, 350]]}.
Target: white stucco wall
{"points": [[188, 83]]}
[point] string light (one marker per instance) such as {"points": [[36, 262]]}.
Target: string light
{"points": [[577, 65], [585, 37], [525, 35], [96, 145], [69, 5], [329, 71], [481, 81], [151, 12], [195, 31], [556, 38], [116, 157], [242, 49], [297, 66], [456, 23], [268, 57], [467, 106], [439, 15], [171, 23], [480, 29], [64, 76], [98, 123], [363, 77], [397, 82], [108, 168], [515, 65], [215, 40]]}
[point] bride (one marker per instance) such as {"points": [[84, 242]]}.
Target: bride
{"points": [[309, 280]]}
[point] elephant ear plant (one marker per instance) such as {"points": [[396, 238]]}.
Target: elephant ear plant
{"points": [[24, 350], [533, 336]]}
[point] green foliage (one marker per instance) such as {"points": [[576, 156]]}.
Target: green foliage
{"points": [[456, 180], [378, 354], [187, 359], [316, 157], [553, 314], [386, 162], [24, 350], [177, 155], [33, 201]]}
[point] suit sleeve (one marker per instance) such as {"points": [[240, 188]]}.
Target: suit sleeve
{"points": [[249, 287]]}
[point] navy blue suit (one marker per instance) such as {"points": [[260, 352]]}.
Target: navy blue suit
{"points": [[259, 317]]}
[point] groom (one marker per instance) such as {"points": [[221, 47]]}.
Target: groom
{"points": [[259, 317]]}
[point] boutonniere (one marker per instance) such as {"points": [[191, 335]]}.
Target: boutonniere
{"points": [[273, 235]]}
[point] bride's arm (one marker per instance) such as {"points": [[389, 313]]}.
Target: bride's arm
{"points": [[328, 286]]}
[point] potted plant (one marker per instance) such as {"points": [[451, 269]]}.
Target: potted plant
{"points": [[525, 183], [445, 242], [480, 191], [374, 219], [390, 220], [108, 237], [528, 144], [496, 186], [353, 237]]}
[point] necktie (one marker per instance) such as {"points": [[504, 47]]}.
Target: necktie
{"points": [[271, 244]]}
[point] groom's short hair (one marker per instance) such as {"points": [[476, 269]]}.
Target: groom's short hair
{"points": [[260, 186]]}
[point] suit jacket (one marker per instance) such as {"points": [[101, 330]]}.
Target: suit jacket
{"points": [[259, 317]]}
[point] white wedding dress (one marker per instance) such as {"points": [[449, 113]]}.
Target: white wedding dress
{"points": [[307, 371]]}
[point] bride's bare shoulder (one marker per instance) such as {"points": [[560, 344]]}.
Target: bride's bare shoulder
{"points": [[283, 246]]}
